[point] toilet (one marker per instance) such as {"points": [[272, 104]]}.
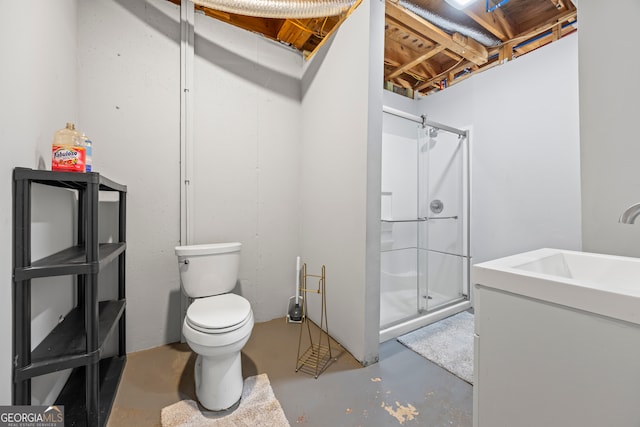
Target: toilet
{"points": [[218, 323]]}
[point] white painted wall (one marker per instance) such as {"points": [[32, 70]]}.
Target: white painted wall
{"points": [[399, 102], [525, 150], [53, 224], [248, 131], [38, 97], [129, 100], [246, 145], [251, 143], [375, 44], [340, 177], [608, 114]]}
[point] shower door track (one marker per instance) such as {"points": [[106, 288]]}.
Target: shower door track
{"points": [[423, 121], [424, 320], [403, 114]]}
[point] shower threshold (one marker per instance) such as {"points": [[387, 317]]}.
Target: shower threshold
{"points": [[395, 331]]}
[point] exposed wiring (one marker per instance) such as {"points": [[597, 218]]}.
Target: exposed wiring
{"points": [[530, 36], [494, 7], [323, 24], [304, 28], [437, 76]]}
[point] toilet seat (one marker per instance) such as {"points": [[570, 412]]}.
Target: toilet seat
{"points": [[218, 314], [206, 342]]}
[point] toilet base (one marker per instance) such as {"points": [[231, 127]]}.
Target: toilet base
{"points": [[218, 381]]}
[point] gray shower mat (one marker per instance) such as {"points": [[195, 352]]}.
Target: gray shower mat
{"points": [[447, 343]]}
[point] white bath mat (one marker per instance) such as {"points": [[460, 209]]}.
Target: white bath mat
{"points": [[258, 408], [448, 343]]}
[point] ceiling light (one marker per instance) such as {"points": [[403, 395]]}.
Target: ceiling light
{"points": [[460, 4]]}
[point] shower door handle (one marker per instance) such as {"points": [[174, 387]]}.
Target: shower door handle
{"points": [[421, 219], [429, 218], [404, 220]]}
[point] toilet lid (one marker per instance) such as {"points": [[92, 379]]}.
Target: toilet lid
{"points": [[218, 312]]}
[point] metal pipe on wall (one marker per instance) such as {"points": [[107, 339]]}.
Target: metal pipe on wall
{"points": [[187, 21], [187, 17]]}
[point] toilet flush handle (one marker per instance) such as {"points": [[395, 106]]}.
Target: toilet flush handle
{"points": [[186, 261]]}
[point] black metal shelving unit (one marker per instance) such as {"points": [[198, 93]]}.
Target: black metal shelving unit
{"points": [[78, 341]]}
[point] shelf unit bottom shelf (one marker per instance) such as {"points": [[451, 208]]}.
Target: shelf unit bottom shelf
{"points": [[72, 395]]}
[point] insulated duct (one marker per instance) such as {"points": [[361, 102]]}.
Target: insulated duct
{"points": [[282, 9], [483, 38]]}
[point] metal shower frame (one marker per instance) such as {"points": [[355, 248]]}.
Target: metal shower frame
{"points": [[424, 122]]}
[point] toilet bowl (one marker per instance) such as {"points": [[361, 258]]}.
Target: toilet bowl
{"points": [[218, 323]]}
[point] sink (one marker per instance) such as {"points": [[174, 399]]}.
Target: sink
{"points": [[603, 284], [557, 340]]}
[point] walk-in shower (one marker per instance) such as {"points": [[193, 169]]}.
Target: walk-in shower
{"points": [[425, 257]]}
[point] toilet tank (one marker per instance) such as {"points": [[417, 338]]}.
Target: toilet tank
{"points": [[209, 269]]}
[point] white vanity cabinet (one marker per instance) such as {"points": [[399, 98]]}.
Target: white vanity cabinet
{"points": [[541, 360]]}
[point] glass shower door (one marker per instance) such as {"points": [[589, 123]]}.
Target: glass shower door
{"points": [[399, 221], [442, 237], [424, 259]]}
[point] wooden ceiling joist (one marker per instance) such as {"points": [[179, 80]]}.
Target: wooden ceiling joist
{"points": [[295, 34], [522, 27], [408, 19], [415, 62], [396, 55], [419, 55], [569, 16]]}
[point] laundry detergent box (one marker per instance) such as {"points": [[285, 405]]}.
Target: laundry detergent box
{"points": [[68, 158]]}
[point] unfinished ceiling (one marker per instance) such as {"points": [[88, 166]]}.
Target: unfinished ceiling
{"points": [[435, 45], [429, 44]]}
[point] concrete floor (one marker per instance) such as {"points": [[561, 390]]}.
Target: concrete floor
{"points": [[346, 394]]}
